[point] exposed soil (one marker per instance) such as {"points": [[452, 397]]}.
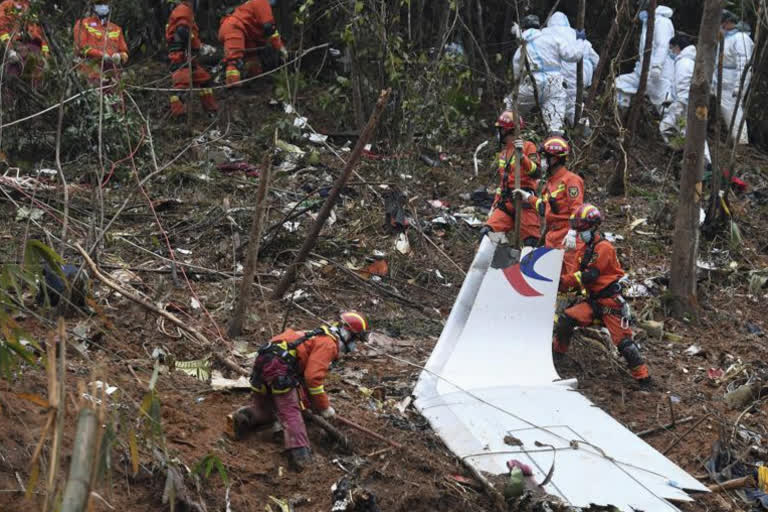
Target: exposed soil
{"points": [[408, 305]]}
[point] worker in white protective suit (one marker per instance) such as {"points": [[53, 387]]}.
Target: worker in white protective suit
{"points": [[558, 24], [662, 69], [546, 53], [673, 124], [737, 52]]}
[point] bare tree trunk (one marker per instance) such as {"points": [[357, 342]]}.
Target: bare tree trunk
{"points": [[325, 211], [607, 49], [254, 243], [78, 485], [579, 68], [714, 210], [685, 244], [638, 101]]}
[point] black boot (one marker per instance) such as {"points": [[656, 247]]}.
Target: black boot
{"points": [[300, 458]]}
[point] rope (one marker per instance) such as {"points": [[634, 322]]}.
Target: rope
{"points": [[573, 443]]}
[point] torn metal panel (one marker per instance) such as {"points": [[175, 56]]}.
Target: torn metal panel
{"points": [[491, 375]]}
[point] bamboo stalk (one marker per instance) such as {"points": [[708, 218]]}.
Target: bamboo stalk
{"points": [[83, 457]]}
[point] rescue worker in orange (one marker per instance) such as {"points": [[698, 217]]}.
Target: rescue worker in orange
{"points": [[502, 217], [246, 32], [290, 368], [563, 194], [26, 49], [182, 34], [101, 45], [597, 277]]}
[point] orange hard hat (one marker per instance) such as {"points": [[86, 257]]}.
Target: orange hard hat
{"points": [[356, 324], [586, 217], [555, 145]]}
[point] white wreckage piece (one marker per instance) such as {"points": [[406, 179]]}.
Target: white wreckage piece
{"points": [[491, 376]]}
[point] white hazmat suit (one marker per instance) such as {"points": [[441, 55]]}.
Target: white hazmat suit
{"points": [[661, 72], [559, 25], [546, 53], [675, 117], [737, 52]]}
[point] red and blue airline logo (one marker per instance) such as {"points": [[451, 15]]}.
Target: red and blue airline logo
{"points": [[514, 273]]}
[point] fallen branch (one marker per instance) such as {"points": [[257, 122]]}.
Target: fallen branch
{"points": [[330, 430], [81, 467], [368, 432], [664, 428], [736, 483], [677, 441], [197, 335]]}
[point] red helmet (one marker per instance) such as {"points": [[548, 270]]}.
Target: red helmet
{"points": [[356, 324], [555, 145], [506, 121], [586, 218]]}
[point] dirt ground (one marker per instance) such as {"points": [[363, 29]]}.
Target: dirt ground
{"points": [[210, 223]]}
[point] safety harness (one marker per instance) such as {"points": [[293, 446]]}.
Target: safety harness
{"points": [[613, 290], [286, 352]]}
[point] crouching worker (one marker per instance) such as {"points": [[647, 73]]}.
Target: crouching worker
{"points": [[288, 368], [598, 278]]}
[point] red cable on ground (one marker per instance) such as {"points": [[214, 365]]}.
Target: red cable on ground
{"points": [[130, 156], [170, 249]]}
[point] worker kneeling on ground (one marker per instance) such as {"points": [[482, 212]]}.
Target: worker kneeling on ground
{"points": [[291, 366], [598, 279], [245, 35], [502, 218]]}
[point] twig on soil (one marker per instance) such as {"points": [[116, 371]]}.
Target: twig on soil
{"points": [[368, 432], [664, 428], [196, 335], [677, 441], [330, 429], [736, 483]]}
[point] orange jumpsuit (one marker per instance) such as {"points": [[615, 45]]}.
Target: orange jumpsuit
{"points": [[93, 42], [279, 393], [597, 276], [184, 16], [251, 26], [28, 41], [502, 218], [562, 195]]}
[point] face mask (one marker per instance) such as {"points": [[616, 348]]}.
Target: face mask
{"points": [[544, 164], [672, 55], [586, 236], [101, 10], [643, 16]]}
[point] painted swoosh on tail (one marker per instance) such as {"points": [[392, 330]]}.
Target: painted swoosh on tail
{"points": [[515, 273]]}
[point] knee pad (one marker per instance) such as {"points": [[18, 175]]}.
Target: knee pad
{"points": [[631, 353], [564, 328]]}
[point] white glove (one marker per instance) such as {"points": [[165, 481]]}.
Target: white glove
{"points": [[524, 195], [519, 144], [207, 50], [570, 240], [328, 413], [117, 59], [13, 57], [655, 73], [284, 53]]}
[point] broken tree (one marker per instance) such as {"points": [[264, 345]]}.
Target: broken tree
{"points": [[325, 211], [254, 243]]}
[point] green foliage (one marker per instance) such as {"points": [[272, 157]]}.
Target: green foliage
{"points": [[206, 466], [16, 345]]}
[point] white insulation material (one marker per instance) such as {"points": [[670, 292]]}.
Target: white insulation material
{"points": [[491, 375]]}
